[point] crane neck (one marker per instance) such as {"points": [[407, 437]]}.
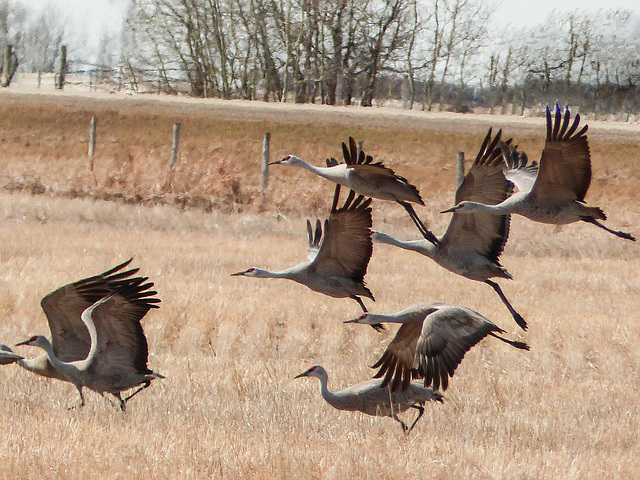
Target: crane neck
{"points": [[292, 273], [501, 208], [422, 246], [87, 319], [64, 367], [330, 397], [336, 173]]}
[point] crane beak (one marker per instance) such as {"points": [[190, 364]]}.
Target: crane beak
{"points": [[277, 162], [450, 210], [23, 343], [239, 274], [303, 374], [354, 320]]}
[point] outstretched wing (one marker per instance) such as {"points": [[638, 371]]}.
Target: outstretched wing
{"points": [[565, 164], [314, 239], [447, 335], [518, 170], [484, 233], [377, 175], [398, 361], [122, 345], [346, 245], [64, 306], [7, 355]]}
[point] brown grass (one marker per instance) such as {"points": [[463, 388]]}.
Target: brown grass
{"points": [[229, 347]]}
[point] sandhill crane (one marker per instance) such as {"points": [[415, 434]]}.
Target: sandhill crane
{"points": [[368, 397], [7, 355], [430, 343], [472, 244], [339, 257], [366, 177], [97, 340], [556, 196]]}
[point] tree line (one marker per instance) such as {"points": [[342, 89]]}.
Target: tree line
{"points": [[426, 53]]}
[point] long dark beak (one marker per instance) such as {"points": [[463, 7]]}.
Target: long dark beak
{"points": [[449, 210], [303, 374], [238, 274], [277, 162], [354, 320], [23, 343]]}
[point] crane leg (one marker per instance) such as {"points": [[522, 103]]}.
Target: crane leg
{"points": [[516, 316], [405, 429], [423, 230], [420, 409], [144, 385], [513, 343], [81, 404], [123, 404], [378, 327], [617, 233]]}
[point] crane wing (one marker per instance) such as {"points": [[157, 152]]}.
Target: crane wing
{"points": [[375, 174], [447, 335], [484, 233], [565, 164], [346, 245], [314, 239], [64, 306], [518, 170], [122, 345], [398, 360], [7, 355]]}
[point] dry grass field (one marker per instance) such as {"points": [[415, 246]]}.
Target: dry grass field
{"points": [[230, 347]]}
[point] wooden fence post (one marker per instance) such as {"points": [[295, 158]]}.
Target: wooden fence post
{"points": [[265, 166], [174, 155], [63, 67], [92, 146], [460, 169]]}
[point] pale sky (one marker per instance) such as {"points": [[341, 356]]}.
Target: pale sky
{"points": [[98, 17]]}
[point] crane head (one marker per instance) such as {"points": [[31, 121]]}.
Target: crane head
{"points": [[313, 371], [361, 319], [460, 208], [249, 272], [34, 340], [287, 160]]}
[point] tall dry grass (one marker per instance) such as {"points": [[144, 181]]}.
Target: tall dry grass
{"points": [[229, 407]]}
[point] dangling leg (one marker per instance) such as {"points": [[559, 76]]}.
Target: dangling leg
{"points": [[144, 385], [405, 429], [617, 233], [81, 404], [513, 343], [516, 316], [423, 230], [123, 404], [378, 327], [420, 409]]}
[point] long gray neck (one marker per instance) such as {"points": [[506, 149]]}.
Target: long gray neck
{"points": [[423, 246], [293, 273], [335, 173], [65, 368], [329, 397], [414, 313]]}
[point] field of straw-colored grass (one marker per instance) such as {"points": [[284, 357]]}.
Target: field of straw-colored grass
{"points": [[230, 347]]}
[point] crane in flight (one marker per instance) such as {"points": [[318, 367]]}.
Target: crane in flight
{"points": [[432, 340], [472, 244], [339, 255], [554, 191], [364, 176], [97, 339]]}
